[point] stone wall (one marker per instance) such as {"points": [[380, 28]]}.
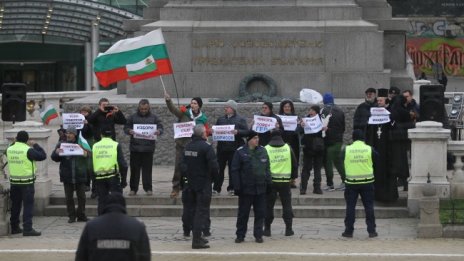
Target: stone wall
{"points": [[165, 152]]}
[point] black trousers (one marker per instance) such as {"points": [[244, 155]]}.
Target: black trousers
{"points": [[196, 209], [104, 187], [285, 195], [259, 208], [141, 161], [22, 196], [311, 161], [366, 191], [69, 189], [224, 158]]}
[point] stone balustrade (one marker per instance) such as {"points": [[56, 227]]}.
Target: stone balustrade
{"points": [[456, 148]]}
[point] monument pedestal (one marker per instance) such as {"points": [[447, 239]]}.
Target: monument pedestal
{"points": [[324, 45], [43, 183]]}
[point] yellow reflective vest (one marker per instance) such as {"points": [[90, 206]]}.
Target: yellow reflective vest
{"points": [[280, 159], [105, 158], [358, 163], [22, 170]]}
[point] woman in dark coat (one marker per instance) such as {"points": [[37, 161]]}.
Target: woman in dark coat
{"points": [[291, 137]]}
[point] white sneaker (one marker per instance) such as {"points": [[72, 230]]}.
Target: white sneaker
{"points": [[341, 187], [328, 188]]}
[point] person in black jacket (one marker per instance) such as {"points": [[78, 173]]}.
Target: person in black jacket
{"points": [[252, 179], [363, 111], [87, 133], [266, 110], [226, 149], [114, 235], [106, 116], [198, 167], [142, 148], [73, 174], [333, 141]]}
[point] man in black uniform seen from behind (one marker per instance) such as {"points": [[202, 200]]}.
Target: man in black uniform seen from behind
{"points": [[251, 178], [198, 166], [284, 168], [114, 235]]}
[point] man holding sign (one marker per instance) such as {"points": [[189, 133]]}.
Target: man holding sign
{"points": [[143, 127]]}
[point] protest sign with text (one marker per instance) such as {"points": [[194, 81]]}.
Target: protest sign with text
{"points": [[289, 122], [75, 120], [312, 124], [183, 129], [71, 149], [223, 133], [263, 124], [379, 115], [145, 131]]}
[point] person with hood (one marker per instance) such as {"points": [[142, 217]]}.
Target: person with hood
{"points": [[114, 235], [266, 110], [198, 167], [283, 167], [252, 180], [333, 140], [313, 153], [142, 148], [73, 174], [291, 137], [192, 112], [21, 156], [226, 149], [363, 111]]}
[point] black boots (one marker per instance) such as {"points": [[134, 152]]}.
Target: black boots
{"points": [[317, 189], [198, 242], [289, 231], [31, 233], [267, 231]]}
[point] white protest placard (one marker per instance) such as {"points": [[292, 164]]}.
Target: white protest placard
{"points": [[312, 124], [223, 133], [263, 124], [379, 115], [73, 120], [145, 131], [289, 122], [183, 129], [71, 149]]}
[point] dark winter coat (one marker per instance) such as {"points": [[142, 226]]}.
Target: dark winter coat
{"points": [[242, 131], [73, 169], [336, 126], [114, 227], [98, 120], [265, 137], [142, 145], [362, 114], [250, 170], [199, 164]]}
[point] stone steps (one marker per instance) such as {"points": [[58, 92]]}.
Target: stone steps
{"points": [[329, 205]]}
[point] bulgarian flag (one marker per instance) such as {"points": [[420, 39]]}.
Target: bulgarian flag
{"points": [[135, 59], [48, 114], [83, 142]]}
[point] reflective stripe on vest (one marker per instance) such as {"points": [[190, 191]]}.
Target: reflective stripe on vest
{"points": [[280, 159], [105, 158], [21, 169], [358, 163]]}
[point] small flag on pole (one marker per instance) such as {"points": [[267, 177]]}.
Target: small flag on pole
{"points": [[83, 142], [135, 59], [48, 114]]}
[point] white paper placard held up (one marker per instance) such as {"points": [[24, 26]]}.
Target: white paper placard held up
{"points": [[263, 124], [223, 133], [183, 129], [312, 124]]}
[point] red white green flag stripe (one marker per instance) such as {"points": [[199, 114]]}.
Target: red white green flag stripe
{"points": [[135, 59], [48, 114]]}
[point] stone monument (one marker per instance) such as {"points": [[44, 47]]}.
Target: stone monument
{"points": [[342, 46]]}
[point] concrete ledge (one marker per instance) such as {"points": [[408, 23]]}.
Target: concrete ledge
{"points": [[453, 231]]}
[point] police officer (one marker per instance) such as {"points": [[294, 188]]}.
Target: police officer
{"points": [[21, 165], [284, 168], [107, 160], [199, 166], [359, 158], [251, 178], [114, 235]]}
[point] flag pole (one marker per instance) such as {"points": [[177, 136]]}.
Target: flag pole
{"points": [[162, 83]]}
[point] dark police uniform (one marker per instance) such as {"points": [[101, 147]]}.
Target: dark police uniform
{"points": [[251, 177], [198, 166], [359, 181], [22, 168]]}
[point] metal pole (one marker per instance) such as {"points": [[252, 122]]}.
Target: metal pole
{"points": [[94, 41], [88, 66]]}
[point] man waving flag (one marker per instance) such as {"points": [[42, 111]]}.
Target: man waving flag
{"points": [[135, 59]]}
